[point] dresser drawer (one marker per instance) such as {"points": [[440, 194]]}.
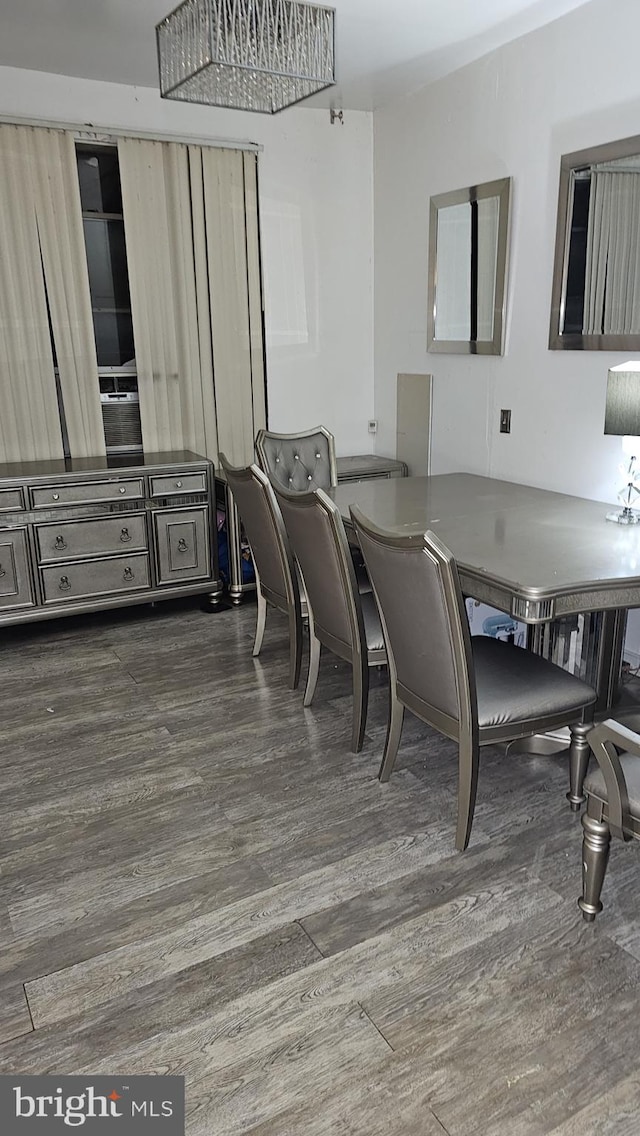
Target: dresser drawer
{"points": [[10, 499], [182, 540], [15, 584], [86, 491], [95, 578], [178, 483], [69, 540]]}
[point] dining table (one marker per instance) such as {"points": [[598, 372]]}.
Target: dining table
{"points": [[539, 555]]}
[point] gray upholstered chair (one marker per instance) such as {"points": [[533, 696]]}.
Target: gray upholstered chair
{"points": [[479, 691], [613, 806], [299, 462], [276, 576], [340, 617]]}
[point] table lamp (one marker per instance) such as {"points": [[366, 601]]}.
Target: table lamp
{"points": [[622, 416]]}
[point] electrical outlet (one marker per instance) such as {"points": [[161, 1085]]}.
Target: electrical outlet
{"points": [[505, 421], [372, 425]]}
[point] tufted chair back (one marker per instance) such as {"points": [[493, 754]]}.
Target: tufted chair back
{"points": [[299, 463]]}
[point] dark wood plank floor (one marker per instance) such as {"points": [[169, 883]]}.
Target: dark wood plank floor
{"points": [[198, 877]]}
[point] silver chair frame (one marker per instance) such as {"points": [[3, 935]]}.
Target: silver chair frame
{"points": [[262, 456], [293, 605], [604, 819], [466, 730], [360, 658]]}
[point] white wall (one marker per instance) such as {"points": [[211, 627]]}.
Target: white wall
{"points": [[316, 206], [572, 84]]}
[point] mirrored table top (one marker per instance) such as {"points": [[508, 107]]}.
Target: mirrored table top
{"points": [[512, 540]]}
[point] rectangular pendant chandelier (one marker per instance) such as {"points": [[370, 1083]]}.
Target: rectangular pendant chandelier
{"points": [[259, 55]]}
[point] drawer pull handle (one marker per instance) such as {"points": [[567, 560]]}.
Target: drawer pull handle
{"points": [[60, 543], [56, 496], [128, 574], [2, 571], [182, 545], [178, 485], [64, 584], [125, 536], [123, 489]]}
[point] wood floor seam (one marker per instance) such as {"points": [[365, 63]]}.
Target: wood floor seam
{"points": [[438, 1121], [376, 1027], [207, 882], [26, 998], [300, 923]]}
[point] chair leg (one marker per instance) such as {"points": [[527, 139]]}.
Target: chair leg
{"points": [[261, 622], [595, 856], [360, 703], [394, 731], [314, 666], [579, 753], [295, 649], [468, 763]]}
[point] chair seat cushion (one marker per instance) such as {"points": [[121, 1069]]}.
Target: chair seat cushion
{"points": [[372, 625], [514, 685], [595, 785]]}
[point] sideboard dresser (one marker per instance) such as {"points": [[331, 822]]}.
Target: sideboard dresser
{"points": [[92, 533]]}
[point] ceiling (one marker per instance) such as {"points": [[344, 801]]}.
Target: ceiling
{"points": [[385, 48]]}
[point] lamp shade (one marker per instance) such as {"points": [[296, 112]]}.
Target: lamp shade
{"points": [[259, 55], [622, 413]]}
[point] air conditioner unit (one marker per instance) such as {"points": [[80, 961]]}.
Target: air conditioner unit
{"points": [[120, 414]]}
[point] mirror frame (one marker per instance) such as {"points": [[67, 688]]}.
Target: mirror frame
{"points": [[501, 188], [572, 341]]}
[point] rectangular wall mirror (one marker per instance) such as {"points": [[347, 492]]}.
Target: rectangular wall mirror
{"points": [[468, 230], [595, 302]]}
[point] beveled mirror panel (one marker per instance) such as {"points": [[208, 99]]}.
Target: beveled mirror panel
{"points": [[595, 302], [468, 231]]}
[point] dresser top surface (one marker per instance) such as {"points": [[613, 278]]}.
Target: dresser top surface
{"points": [[113, 464]]}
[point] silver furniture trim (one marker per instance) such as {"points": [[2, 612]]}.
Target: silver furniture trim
{"points": [[76, 493], [365, 467], [277, 580], [572, 341], [353, 467], [538, 553], [105, 532], [10, 500], [434, 662], [265, 436], [103, 536], [16, 586], [500, 188], [613, 806]]}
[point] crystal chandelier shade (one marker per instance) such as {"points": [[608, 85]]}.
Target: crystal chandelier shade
{"points": [[259, 55]]}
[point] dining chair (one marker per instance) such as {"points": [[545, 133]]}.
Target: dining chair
{"points": [[475, 689], [276, 576], [299, 462], [341, 618], [613, 806]]}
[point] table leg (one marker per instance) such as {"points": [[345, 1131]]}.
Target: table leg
{"points": [[601, 665]]}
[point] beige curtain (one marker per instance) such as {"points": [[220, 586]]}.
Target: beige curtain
{"points": [[612, 279], [56, 193], [192, 249], [156, 199], [43, 275], [29, 419]]}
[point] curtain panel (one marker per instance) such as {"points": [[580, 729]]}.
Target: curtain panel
{"points": [[29, 419], [191, 220], [44, 295], [612, 279]]}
